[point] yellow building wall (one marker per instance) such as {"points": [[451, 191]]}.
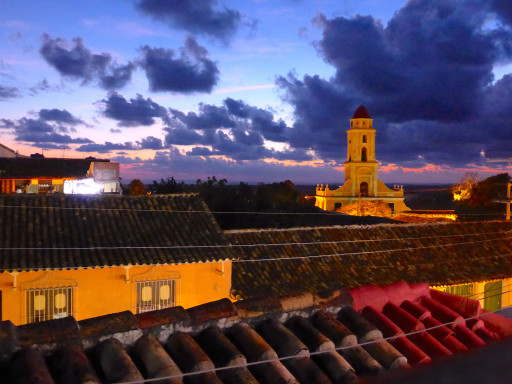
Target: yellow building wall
{"points": [[102, 291], [479, 292]]}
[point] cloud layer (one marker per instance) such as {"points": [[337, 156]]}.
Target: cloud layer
{"points": [[426, 77], [192, 71], [198, 17], [50, 130], [76, 62]]}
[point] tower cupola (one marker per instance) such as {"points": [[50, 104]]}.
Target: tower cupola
{"points": [[361, 113]]}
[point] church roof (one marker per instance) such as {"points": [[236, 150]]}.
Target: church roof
{"points": [[361, 113]]}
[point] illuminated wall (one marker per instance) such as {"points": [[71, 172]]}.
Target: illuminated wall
{"points": [[492, 294], [100, 291]]}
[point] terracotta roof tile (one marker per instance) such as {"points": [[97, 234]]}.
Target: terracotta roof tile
{"points": [[37, 225], [123, 347], [365, 255]]}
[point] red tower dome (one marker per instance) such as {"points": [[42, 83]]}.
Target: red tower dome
{"points": [[361, 113]]}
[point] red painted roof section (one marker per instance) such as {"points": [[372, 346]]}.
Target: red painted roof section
{"points": [[361, 113]]}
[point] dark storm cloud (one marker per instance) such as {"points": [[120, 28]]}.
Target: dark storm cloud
{"points": [[116, 76], [261, 120], [322, 111], [133, 112], [209, 117], [59, 116], [503, 10], [8, 92], [426, 77], [430, 62], [235, 130], [150, 142], [292, 154], [38, 131], [76, 62], [182, 136], [234, 114], [243, 145], [191, 72], [197, 17], [200, 151], [107, 147]]}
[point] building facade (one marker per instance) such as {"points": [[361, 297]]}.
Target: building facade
{"points": [[47, 175], [361, 171], [87, 256]]}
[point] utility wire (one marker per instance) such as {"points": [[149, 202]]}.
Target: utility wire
{"points": [[230, 246], [330, 213], [328, 255]]}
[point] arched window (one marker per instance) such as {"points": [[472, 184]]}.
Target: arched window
{"points": [[363, 154], [363, 189], [364, 138]]}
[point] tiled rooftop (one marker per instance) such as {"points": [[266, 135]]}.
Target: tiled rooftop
{"points": [[59, 225], [441, 254], [26, 168], [123, 347]]}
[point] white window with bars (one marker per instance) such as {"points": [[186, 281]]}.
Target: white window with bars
{"points": [[155, 294], [48, 303]]}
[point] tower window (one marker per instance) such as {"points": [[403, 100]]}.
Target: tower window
{"points": [[364, 138], [363, 154]]}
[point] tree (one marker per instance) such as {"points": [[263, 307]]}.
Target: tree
{"points": [[479, 202], [136, 187], [463, 190], [170, 185]]}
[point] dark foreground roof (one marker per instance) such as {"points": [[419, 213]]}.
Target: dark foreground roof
{"points": [[315, 259], [26, 168], [71, 231], [306, 329]]}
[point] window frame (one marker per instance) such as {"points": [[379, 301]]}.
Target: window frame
{"points": [[49, 285], [155, 278]]}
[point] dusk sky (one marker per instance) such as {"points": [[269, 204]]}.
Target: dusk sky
{"points": [[259, 90]]}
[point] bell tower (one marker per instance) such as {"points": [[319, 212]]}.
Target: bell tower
{"points": [[361, 182], [361, 166]]}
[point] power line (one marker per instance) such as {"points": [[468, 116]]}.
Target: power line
{"points": [[362, 252], [329, 255], [230, 246], [338, 349], [329, 213]]}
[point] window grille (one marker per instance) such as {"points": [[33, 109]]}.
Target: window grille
{"points": [[48, 303], [155, 294], [465, 290]]}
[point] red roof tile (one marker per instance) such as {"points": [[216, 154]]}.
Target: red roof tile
{"points": [[308, 334]]}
